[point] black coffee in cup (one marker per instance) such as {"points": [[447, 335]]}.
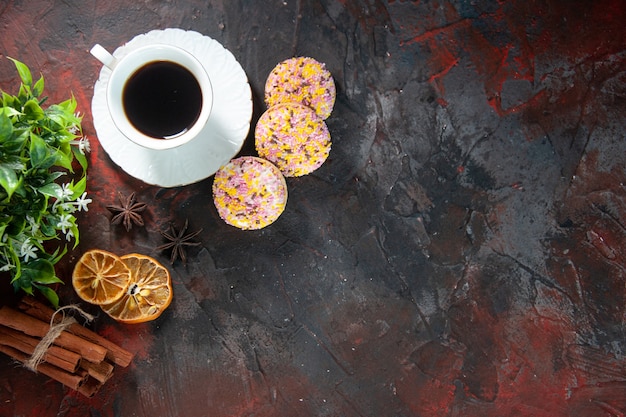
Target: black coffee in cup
{"points": [[162, 99]]}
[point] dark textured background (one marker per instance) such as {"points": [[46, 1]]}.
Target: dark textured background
{"points": [[461, 252]]}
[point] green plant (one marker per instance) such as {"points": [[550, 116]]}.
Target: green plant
{"points": [[38, 148]]}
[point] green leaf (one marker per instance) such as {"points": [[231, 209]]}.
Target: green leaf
{"points": [[56, 256], [6, 127], [21, 135], [47, 279], [24, 94], [20, 284], [33, 111], [76, 234], [16, 261], [17, 224], [63, 113], [48, 229], [50, 160], [51, 190], [49, 294], [23, 71], [79, 188], [38, 88], [10, 111], [80, 157], [38, 270], [38, 150], [9, 180], [68, 106], [53, 176], [63, 159], [7, 99]]}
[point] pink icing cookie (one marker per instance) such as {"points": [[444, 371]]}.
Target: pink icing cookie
{"points": [[293, 138], [249, 193], [301, 80]]}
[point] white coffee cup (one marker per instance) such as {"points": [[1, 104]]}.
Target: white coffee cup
{"points": [[127, 67]]}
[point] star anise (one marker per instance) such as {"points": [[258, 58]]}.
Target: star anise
{"points": [[178, 241], [128, 212]]}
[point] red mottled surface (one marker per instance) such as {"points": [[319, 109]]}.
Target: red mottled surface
{"points": [[460, 253]]}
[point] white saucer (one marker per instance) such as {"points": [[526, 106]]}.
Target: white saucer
{"points": [[220, 141]]}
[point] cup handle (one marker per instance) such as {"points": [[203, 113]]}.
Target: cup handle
{"points": [[103, 56]]}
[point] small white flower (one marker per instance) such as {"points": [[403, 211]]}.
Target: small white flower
{"points": [[34, 226], [69, 235], [28, 250], [7, 267], [83, 144], [82, 201], [67, 207], [66, 191], [64, 222]]}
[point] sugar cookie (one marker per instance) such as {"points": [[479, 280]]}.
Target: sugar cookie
{"points": [[293, 138], [301, 80], [249, 192]]}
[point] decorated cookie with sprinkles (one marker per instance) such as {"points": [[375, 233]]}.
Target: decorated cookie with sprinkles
{"points": [[293, 138], [249, 193], [301, 80]]}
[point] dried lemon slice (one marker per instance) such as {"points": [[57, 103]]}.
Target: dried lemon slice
{"points": [[100, 277], [149, 292]]}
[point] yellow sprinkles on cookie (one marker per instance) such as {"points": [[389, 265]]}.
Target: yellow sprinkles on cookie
{"points": [[293, 138], [249, 193], [301, 80]]}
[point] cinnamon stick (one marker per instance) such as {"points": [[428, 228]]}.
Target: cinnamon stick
{"points": [[90, 387], [68, 379], [115, 353], [55, 355], [35, 327], [100, 371]]}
